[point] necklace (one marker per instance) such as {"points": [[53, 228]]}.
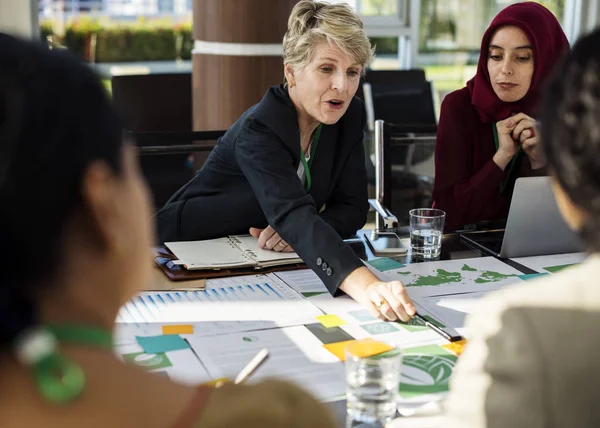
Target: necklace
{"points": [[59, 379]]}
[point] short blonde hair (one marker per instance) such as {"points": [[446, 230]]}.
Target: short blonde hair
{"points": [[313, 22]]}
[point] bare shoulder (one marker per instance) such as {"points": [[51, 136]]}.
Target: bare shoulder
{"points": [[115, 395]]}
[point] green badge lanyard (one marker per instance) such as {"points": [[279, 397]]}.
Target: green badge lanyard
{"points": [[513, 161], [313, 149], [59, 379]]}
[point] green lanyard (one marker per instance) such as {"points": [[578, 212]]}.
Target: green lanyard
{"points": [[513, 161], [313, 149], [59, 379]]}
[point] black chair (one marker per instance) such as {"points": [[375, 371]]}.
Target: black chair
{"points": [[157, 110], [154, 102], [167, 158], [383, 77]]}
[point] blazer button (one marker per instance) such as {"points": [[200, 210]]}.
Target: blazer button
{"points": [[329, 272], [324, 266], [319, 261]]}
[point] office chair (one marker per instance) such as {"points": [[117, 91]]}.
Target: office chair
{"points": [[157, 111], [167, 158], [387, 201], [383, 77]]}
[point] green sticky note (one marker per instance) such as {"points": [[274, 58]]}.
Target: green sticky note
{"points": [[163, 343], [384, 263], [531, 276], [555, 269], [148, 361], [416, 325], [379, 328], [308, 294]]}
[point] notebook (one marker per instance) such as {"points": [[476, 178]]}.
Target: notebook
{"points": [[230, 252]]}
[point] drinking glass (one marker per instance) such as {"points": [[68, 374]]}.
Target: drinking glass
{"points": [[426, 230], [372, 384]]}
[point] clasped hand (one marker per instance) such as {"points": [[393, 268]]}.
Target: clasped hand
{"points": [[520, 129]]}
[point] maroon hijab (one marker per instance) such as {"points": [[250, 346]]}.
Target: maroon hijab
{"points": [[548, 41]]}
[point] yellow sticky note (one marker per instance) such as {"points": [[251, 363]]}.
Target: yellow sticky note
{"points": [[216, 383], [178, 329], [456, 347], [331, 320], [360, 348]]}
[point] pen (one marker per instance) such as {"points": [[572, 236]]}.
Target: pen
{"points": [[438, 330], [252, 366]]}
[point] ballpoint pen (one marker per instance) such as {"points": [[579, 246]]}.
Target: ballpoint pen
{"points": [[444, 334], [252, 366]]}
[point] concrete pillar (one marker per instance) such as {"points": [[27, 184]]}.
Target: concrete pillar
{"points": [[237, 56], [19, 18]]}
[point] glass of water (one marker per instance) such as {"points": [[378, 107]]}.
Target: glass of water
{"points": [[372, 384], [426, 230]]}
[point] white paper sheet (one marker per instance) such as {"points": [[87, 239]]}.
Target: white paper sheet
{"points": [[304, 281], [295, 354], [250, 243], [546, 264], [210, 253], [242, 303], [450, 310], [454, 276]]}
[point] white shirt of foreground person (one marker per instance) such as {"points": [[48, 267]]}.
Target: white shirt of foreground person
{"points": [[533, 357]]}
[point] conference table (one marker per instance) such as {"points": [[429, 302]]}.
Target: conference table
{"points": [[453, 248]]}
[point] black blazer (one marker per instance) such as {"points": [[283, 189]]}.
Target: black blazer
{"points": [[250, 180]]}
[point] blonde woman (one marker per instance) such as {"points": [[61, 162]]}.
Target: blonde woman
{"points": [[291, 170]]}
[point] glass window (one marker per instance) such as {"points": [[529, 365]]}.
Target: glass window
{"points": [[450, 34], [377, 7]]}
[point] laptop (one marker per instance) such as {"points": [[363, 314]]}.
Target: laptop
{"points": [[534, 226]]}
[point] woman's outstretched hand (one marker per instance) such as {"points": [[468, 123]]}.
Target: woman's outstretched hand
{"points": [[388, 301]]}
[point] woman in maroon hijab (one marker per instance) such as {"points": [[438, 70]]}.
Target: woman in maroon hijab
{"points": [[487, 136]]}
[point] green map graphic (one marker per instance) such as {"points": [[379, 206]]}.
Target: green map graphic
{"points": [[443, 276]]}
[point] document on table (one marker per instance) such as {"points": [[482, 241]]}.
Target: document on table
{"points": [[454, 276], [450, 310], [295, 354], [360, 324], [181, 365], [258, 301], [304, 281], [552, 263]]}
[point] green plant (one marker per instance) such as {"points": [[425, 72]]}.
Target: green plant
{"points": [[385, 45], [143, 40]]}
